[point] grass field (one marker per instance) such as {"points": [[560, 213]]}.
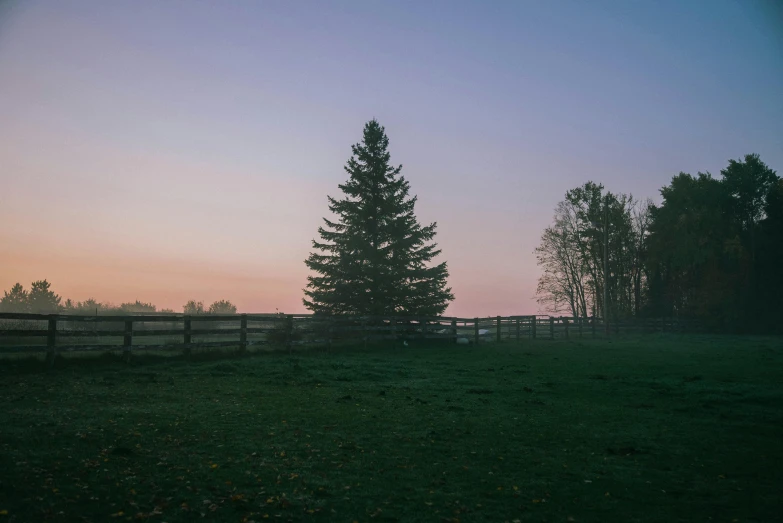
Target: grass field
{"points": [[646, 429]]}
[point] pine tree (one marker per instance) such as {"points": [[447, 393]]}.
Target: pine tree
{"points": [[15, 300], [375, 258], [42, 299]]}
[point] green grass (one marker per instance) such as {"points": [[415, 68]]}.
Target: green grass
{"points": [[649, 429]]}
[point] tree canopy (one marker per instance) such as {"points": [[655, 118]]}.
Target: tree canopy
{"points": [[711, 250], [222, 307], [15, 300], [194, 307], [42, 299]]}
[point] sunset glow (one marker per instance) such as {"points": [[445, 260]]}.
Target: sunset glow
{"points": [[168, 151]]}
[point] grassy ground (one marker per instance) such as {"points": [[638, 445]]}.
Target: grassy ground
{"points": [[651, 429]]}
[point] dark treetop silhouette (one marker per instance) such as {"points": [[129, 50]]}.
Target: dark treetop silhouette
{"points": [[712, 250], [375, 258]]}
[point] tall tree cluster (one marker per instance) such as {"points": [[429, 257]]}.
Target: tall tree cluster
{"points": [[711, 250], [374, 257], [571, 253]]}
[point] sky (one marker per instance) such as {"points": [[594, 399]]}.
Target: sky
{"points": [[177, 150]]}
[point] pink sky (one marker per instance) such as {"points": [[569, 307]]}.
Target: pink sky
{"points": [[168, 151], [190, 235]]}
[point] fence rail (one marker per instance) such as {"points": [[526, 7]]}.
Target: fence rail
{"points": [[61, 332]]}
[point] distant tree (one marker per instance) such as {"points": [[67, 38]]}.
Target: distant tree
{"points": [[571, 254], [375, 258], [586, 205], [90, 306], [773, 209], [564, 283], [641, 219], [749, 182], [695, 255], [167, 311], [767, 305], [42, 299], [137, 306], [222, 307], [193, 307], [15, 300]]}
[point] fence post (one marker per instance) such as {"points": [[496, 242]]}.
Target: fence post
{"points": [[592, 324], [475, 330], [579, 319], [454, 329], [243, 332], [552, 327], [498, 329], [51, 340], [186, 337], [533, 323], [289, 332], [517, 330], [127, 341]]}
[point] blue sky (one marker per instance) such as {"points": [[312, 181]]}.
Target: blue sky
{"points": [[230, 122]]}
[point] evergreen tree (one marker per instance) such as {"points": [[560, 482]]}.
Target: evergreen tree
{"points": [[42, 299], [375, 258], [15, 300]]}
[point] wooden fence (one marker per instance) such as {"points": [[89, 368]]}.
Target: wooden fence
{"points": [[26, 333]]}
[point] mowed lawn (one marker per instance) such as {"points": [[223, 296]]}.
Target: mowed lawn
{"points": [[659, 428]]}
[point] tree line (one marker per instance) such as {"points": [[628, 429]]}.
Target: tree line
{"points": [[41, 299], [711, 250]]}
